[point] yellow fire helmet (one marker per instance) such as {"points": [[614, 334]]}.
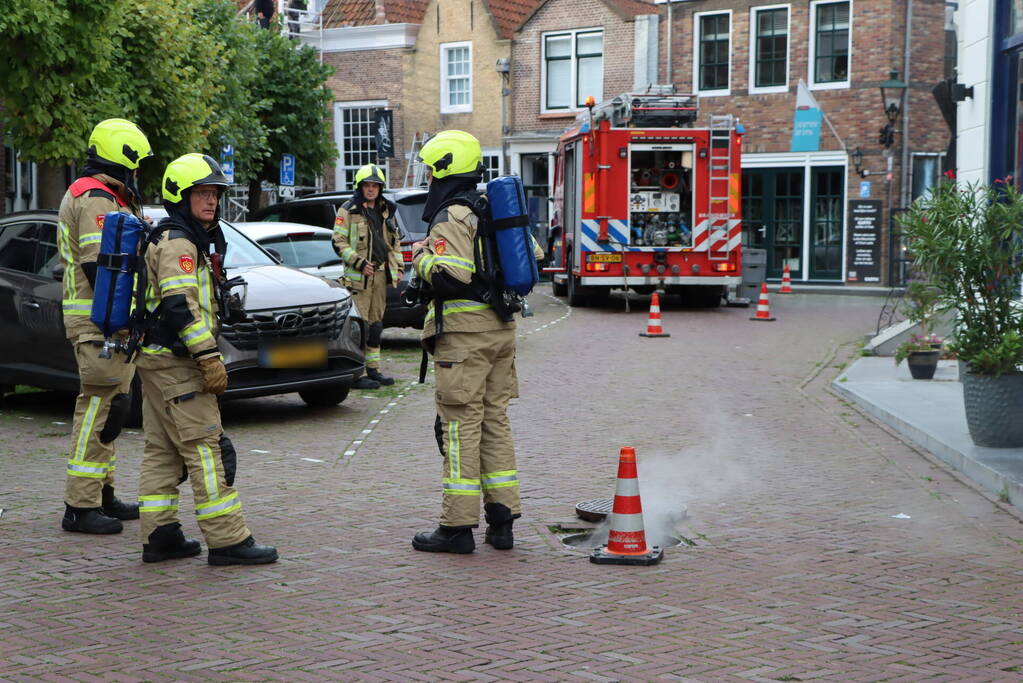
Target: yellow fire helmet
{"points": [[119, 141], [452, 153], [372, 173], [188, 171]]}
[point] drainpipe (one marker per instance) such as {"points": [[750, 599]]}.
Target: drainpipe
{"points": [[667, 39], [904, 190]]}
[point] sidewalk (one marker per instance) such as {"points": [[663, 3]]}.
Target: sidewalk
{"points": [[930, 413]]}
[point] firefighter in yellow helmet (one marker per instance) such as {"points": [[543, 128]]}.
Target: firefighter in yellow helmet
{"points": [[367, 240], [183, 373], [474, 357], [116, 147]]}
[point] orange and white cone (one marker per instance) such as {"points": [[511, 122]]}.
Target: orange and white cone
{"points": [[786, 281], [653, 325], [626, 541], [763, 306]]}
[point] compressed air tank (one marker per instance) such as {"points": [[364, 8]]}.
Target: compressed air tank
{"points": [[115, 275], [510, 220]]}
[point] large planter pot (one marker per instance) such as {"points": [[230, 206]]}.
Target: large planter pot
{"points": [[922, 364], [994, 408]]}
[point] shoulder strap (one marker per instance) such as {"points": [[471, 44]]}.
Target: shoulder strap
{"points": [[350, 206], [83, 185]]}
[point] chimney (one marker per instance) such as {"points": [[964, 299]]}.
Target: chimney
{"points": [[381, 13]]}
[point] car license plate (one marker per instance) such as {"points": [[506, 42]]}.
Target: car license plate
{"points": [[306, 354], [604, 258]]}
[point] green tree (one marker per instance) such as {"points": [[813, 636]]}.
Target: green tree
{"points": [[237, 107], [164, 78], [295, 82], [56, 55]]}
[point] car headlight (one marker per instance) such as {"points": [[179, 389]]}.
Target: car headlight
{"points": [[355, 331]]}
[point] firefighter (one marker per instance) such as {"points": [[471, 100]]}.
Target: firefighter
{"points": [[183, 373], [474, 358], [116, 147], [367, 240]]}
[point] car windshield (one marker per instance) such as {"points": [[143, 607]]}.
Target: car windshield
{"points": [[411, 211], [241, 251], [303, 250]]}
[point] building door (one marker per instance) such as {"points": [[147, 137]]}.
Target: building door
{"points": [[826, 221], [772, 209]]}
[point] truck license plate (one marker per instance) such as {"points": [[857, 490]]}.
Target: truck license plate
{"points": [[307, 354], [604, 258]]}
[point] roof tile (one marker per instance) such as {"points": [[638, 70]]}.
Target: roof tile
{"points": [[508, 15]]}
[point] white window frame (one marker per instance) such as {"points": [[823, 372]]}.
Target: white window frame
{"points": [[754, 53], [446, 108], [494, 152], [573, 85], [717, 92], [812, 53], [339, 167]]}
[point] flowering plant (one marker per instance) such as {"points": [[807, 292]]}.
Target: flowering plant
{"points": [[968, 240]]}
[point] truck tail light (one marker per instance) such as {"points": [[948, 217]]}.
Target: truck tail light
{"points": [[724, 267], [597, 267], [406, 252]]}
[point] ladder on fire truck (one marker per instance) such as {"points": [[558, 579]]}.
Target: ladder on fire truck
{"points": [[720, 180], [415, 170]]}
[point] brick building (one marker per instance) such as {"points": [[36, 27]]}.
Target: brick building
{"points": [[563, 52], [432, 63], [747, 59]]}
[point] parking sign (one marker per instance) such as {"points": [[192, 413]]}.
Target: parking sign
{"points": [[227, 162], [287, 169]]}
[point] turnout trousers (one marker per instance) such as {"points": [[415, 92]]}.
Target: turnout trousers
{"points": [[100, 411], [372, 302], [476, 378], [182, 428]]}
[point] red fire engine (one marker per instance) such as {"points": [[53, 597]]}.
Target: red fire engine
{"points": [[642, 201]]}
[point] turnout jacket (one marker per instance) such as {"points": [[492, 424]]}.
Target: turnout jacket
{"points": [[449, 249], [79, 231], [353, 242], [181, 283]]}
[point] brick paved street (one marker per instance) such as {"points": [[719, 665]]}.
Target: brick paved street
{"points": [[826, 548]]}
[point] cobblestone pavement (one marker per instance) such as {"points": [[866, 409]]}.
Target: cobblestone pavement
{"points": [[825, 547]]}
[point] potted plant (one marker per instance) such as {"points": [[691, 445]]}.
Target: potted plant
{"points": [[968, 240], [922, 351]]}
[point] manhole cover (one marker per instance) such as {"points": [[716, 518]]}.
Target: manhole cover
{"points": [[594, 510]]}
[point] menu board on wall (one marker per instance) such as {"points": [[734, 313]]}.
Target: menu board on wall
{"points": [[864, 252]]}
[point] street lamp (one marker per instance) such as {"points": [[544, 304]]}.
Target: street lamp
{"points": [[892, 91]]}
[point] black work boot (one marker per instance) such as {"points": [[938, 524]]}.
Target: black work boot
{"points": [[365, 382], [445, 539], [168, 543], [375, 375], [246, 552], [499, 526], [112, 507], [89, 521]]}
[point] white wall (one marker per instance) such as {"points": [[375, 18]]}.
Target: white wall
{"points": [[974, 30]]}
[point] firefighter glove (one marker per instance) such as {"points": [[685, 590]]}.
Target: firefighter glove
{"points": [[214, 374]]}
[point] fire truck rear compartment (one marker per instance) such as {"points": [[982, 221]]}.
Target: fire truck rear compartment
{"points": [[660, 196]]}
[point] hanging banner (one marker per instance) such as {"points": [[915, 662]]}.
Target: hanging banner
{"points": [[806, 127], [382, 119]]}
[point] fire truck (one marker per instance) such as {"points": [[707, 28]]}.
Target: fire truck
{"points": [[644, 201]]}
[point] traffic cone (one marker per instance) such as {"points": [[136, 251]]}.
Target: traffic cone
{"points": [[626, 542], [786, 281], [763, 308], [653, 326]]}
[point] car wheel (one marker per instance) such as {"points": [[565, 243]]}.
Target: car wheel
{"points": [[325, 397], [135, 407]]}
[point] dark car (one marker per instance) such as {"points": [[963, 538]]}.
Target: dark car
{"points": [[320, 210], [282, 305]]}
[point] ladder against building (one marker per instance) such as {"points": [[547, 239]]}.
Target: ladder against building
{"points": [[721, 194], [415, 170]]}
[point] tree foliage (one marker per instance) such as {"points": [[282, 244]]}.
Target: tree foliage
{"points": [[294, 81], [190, 72], [56, 58]]}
